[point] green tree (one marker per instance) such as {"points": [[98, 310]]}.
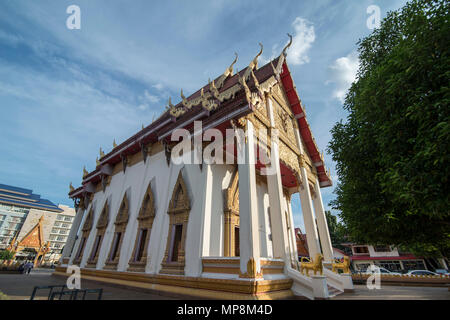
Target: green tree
{"points": [[6, 255], [392, 153], [336, 229]]}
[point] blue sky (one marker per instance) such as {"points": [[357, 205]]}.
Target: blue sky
{"points": [[66, 93]]}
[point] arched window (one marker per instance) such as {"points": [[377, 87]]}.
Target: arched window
{"points": [[102, 224], [119, 231], [179, 208], [138, 259]]}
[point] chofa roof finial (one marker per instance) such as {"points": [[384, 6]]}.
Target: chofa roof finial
{"points": [[288, 45], [229, 71], [254, 63]]}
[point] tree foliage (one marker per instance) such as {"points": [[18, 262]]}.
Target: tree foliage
{"points": [[392, 152], [6, 255], [336, 229]]}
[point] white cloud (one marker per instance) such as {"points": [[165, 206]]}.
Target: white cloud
{"points": [[158, 86], [343, 74], [302, 41], [150, 98]]}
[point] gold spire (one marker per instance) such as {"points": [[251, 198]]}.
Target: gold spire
{"points": [[254, 63], [229, 70], [114, 143], [102, 154], [288, 45], [85, 173], [97, 162], [71, 188], [142, 128]]}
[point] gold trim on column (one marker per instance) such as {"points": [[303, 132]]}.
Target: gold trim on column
{"points": [[179, 208], [231, 215], [145, 222]]}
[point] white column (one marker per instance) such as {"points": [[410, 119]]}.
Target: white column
{"points": [[308, 215], [307, 207], [294, 253], [206, 212], [280, 240], [248, 206], [67, 251], [322, 224], [277, 208]]}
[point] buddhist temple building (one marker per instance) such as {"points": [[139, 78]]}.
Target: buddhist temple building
{"points": [[32, 227], [210, 229]]}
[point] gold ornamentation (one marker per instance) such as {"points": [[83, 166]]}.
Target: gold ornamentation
{"points": [[102, 154], [85, 173], [71, 188], [97, 162], [231, 216], [145, 222], [254, 63], [315, 265], [251, 270], [179, 208], [114, 143], [341, 265], [288, 45]]}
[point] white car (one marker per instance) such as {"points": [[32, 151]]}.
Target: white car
{"points": [[422, 273], [442, 272], [383, 271]]}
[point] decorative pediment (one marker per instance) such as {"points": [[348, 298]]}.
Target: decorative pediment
{"points": [[148, 205], [123, 214], [89, 219], [180, 198], [34, 238], [104, 217]]}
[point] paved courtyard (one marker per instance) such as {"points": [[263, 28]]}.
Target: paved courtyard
{"points": [[20, 287], [396, 293]]}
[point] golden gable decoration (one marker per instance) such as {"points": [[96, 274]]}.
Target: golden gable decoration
{"points": [[231, 216]]}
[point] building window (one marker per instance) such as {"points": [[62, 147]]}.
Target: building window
{"points": [[141, 244], [236, 242], [382, 249], [80, 248], [413, 265], [390, 265], [361, 250], [115, 246], [176, 247], [96, 247]]}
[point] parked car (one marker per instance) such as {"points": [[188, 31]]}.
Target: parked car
{"points": [[422, 273], [383, 271], [442, 272]]}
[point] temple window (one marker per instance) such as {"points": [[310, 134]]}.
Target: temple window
{"points": [[120, 226], [179, 208], [145, 219]]}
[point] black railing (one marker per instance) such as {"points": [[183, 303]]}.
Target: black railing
{"points": [[59, 292], [50, 288]]}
